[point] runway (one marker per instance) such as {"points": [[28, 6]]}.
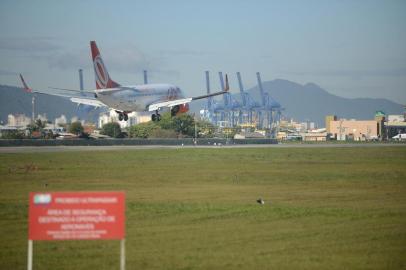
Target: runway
{"points": [[51, 149]]}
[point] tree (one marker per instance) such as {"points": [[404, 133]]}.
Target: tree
{"points": [[36, 129], [32, 128], [38, 125], [76, 128], [168, 127], [112, 129], [184, 124], [205, 129]]}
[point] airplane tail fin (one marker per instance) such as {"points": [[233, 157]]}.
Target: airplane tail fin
{"points": [[103, 79], [26, 88]]}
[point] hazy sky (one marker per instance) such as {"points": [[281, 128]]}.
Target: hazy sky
{"points": [[350, 48]]}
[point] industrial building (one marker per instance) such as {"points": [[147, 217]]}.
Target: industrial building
{"points": [[316, 135], [357, 130]]}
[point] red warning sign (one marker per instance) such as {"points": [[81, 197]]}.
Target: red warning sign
{"points": [[76, 215]]}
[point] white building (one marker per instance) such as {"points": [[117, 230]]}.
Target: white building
{"points": [[396, 118], [42, 117], [60, 121], [18, 120], [134, 118], [306, 126]]}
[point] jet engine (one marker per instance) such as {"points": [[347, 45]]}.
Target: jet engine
{"points": [[179, 109]]}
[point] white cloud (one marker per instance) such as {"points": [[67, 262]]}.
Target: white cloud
{"points": [[126, 59], [7, 73], [185, 52], [29, 45], [356, 74]]}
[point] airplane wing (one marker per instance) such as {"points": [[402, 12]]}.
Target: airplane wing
{"points": [[51, 94], [88, 101], [80, 100], [30, 90], [74, 90], [171, 103], [210, 95]]}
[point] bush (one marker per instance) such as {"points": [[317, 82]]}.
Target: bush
{"points": [[143, 130], [13, 134], [163, 133], [167, 121], [76, 128], [112, 129]]}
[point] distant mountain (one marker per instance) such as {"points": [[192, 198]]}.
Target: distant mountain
{"points": [[15, 100], [310, 102]]}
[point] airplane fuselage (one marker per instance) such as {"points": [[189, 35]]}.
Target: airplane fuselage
{"points": [[137, 97], [132, 98]]}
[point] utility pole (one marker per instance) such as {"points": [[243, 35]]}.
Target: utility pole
{"points": [[194, 117], [145, 77], [81, 82], [33, 107]]}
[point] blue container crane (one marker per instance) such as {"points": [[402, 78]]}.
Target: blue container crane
{"points": [[210, 114], [271, 109], [231, 106], [249, 104]]}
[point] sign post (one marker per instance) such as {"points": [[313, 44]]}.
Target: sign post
{"points": [[29, 261], [76, 216], [122, 254]]}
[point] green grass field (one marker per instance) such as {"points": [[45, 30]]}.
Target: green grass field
{"points": [[325, 208]]}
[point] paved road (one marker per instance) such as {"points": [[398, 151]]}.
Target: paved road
{"points": [[44, 149]]}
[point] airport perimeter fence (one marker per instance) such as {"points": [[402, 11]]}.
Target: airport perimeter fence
{"points": [[107, 142]]}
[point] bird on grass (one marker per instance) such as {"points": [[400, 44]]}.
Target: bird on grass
{"points": [[260, 201]]}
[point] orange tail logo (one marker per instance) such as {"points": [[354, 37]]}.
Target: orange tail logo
{"points": [[103, 79]]}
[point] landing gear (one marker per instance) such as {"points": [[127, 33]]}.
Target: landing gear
{"points": [[156, 116], [122, 116], [175, 110]]}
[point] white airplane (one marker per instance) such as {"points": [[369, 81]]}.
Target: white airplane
{"points": [[130, 98]]}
